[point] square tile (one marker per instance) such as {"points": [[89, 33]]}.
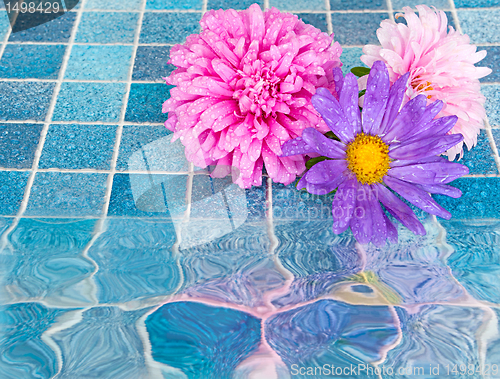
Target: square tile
{"points": [[496, 137], [480, 158], [78, 147], [168, 27], [476, 3], [439, 4], [145, 102], [57, 30], [149, 148], [32, 61], [346, 27], [168, 4], [232, 4], [12, 186], [479, 198], [492, 60], [298, 5], [114, 4], [89, 102], [492, 105], [18, 143], [4, 24], [350, 58], [107, 27], [151, 63], [99, 63], [357, 4], [25, 100], [65, 194], [143, 195], [315, 19], [481, 26]]}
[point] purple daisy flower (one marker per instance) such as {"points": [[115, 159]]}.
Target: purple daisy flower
{"points": [[385, 148]]}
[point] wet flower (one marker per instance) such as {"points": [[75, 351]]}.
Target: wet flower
{"points": [[381, 150], [243, 87], [441, 67]]}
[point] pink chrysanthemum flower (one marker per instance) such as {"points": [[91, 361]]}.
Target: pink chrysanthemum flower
{"points": [[441, 66], [243, 88]]}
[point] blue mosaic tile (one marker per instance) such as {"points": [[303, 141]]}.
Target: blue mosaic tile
{"points": [[476, 3], [168, 4], [89, 102], [113, 4], [480, 159], [316, 19], [107, 27], [481, 26], [18, 143], [31, 61], [234, 4], [65, 194], [4, 24], [168, 27], [357, 4], [25, 100], [496, 137], [57, 30], [479, 198], [298, 5], [142, 195], [102, 342], [24, 352], [58, 277], [350, 58], [439, 4], [492, 105], [78, 147], [492, 60], [99, 63], [145, 102], [346, 27], [148, 148], [146, 246], [12, 186], [151, 63]]}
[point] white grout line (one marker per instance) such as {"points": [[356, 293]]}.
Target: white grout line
{"points": [[266, 4], [5, 39], [43, 134], [390, 9], [328, 17], [455, 16], [493, 145], [87, 43]]}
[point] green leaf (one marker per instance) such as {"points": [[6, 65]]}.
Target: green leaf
{"points": [[360, 71], [311, 162], [332, 136], [362, 92]]}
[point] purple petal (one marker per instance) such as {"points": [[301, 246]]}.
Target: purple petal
{"points": [[334, 117], [323, 145], [417, 197], [413, 174], [338, 78], [442, 189], [325, 171], [320, 189], [349, 101], [430, 112], [392, 231], [343, 205], [409, 115], [399, 210], [376, 96], [361, 221], [403, 162], [438, 127], [396, 95], [325, 93], [424, 148], [296, 146], [379, 233]]}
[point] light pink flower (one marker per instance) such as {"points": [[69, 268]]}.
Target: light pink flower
{"points": [[243, 88], [441, 66]]}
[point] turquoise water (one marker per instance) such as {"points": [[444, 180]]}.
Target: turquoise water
{"points": [[119, 259]]}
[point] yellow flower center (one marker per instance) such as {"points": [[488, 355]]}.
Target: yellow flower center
{"points": [[420, 86], [368, 158]]}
